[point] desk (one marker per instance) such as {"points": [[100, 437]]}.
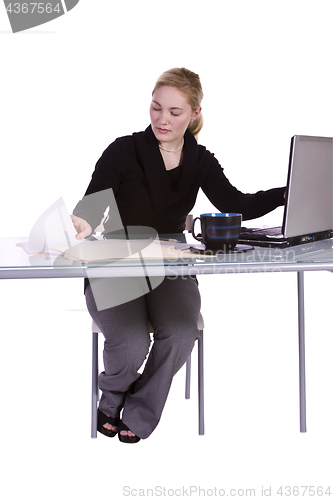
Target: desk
{"points": [[15, 263]]}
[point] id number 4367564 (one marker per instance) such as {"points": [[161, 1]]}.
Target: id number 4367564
{"points": [[304, 491], [33, 7]]}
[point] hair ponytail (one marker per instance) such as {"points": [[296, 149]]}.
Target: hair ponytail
{"points": [[195, 126]]}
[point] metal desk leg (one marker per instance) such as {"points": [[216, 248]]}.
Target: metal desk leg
{"points": [[301, 347]]}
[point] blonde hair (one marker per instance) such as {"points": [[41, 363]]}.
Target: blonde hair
{"points": [[190, 86]]}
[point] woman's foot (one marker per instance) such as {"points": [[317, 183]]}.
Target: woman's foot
{"points": [[125, 435], [107, 425]]}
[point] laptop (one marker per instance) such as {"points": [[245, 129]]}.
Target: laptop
{"points": [[308, 211]]}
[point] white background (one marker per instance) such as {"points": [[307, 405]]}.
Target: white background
{"points": [[68, 89]]}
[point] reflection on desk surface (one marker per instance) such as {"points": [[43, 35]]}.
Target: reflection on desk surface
{"points": [[14, 256], [318, 250]]}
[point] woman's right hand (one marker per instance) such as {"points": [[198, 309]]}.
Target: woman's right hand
{"points": [[83, 228]]}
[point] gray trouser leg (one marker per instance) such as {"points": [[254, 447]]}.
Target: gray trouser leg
{"points": [[173, 309], [127, 341]]}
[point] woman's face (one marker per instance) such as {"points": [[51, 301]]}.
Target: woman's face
{"points": [[170, 115]]}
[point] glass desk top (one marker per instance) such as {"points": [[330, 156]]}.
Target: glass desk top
{"points": [[128, 257]]}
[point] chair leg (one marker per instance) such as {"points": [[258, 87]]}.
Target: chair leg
{"points": [[94, 385], [201, 385], [188, 378], [201, 409]]}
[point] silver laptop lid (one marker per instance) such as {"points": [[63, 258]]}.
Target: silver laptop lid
{"points": [[309, 201]]}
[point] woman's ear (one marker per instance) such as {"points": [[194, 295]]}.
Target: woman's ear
{"points": [[195, 114]]}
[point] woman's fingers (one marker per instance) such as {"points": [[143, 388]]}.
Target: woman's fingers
{"points": [[82, 227]]}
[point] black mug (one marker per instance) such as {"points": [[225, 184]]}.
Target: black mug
{"points": [[219, 231]]}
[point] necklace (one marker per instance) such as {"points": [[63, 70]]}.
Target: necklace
{"points": [[171, 150]]}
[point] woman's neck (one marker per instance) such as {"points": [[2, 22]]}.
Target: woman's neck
{"points": [[171, 147], [171, 160]]}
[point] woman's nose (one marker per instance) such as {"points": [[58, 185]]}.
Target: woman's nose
{"points": [[165, 119]]}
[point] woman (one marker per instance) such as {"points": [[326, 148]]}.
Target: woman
{"points": [[155, 176]]}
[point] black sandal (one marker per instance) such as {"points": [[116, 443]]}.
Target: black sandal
{"points": [[104, 419], [126, 439]]}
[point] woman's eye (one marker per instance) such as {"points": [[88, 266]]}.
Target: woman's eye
{"points": [[159, 109]]}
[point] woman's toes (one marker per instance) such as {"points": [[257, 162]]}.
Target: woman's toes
{"points": [[127, 433], [110, 427]]}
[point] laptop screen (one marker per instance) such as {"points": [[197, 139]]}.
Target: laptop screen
{"points": [[309, 199]]}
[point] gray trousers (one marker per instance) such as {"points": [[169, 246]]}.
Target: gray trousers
{"points": [[173, 309]]}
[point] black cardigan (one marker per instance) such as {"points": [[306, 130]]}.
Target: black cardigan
{"points": [[133, 167]]}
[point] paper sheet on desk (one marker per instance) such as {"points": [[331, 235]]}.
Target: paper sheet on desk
{"points": [[53, 228], [113, 249]]}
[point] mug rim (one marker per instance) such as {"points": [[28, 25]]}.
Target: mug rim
{"points": [[220, 214]]}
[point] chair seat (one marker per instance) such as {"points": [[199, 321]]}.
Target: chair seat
{"points": [[201, 325]]}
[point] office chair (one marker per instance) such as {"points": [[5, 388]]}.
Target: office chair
{"points": [[95, 370]]}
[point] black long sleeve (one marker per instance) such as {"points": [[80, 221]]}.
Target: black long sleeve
{"points": [[226, 198], [133, 168]]}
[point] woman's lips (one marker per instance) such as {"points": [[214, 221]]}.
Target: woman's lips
{"points": [[163, 130]]}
